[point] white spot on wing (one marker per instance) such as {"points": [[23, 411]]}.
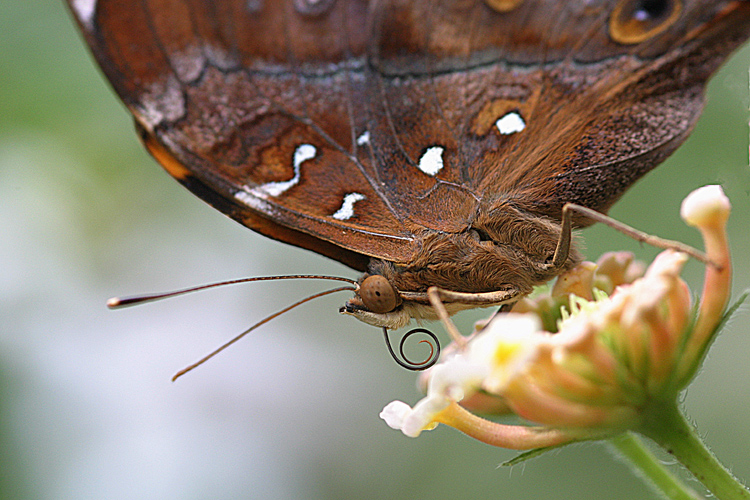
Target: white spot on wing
{"points": [[252, 201], [431, 161], [641, 15], [162, 101], [346, 211], [188, 63], [510, 123], [85, 10], [303, 153], [364, 138], [219, 57], [248, 199]]}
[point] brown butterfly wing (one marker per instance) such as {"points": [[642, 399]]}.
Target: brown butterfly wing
{"points": [[253, 110], [352, 127], [642, 102], [603, 100]]}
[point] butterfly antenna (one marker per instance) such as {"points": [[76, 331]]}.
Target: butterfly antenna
{"points": [[256, 325], [118, 303]]}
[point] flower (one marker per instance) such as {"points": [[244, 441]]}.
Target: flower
{"points": [[590, 358]]}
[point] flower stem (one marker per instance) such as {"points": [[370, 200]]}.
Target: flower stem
{"points": [[646, 465], [669, 428]]}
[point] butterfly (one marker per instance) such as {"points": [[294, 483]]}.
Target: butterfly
{"points": [[429, 144]]}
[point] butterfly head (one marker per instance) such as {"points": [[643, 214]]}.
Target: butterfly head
{"points": [[377, 302], [489, 264]]}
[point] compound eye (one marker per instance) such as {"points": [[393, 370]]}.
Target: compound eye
{"points": [[378, 294]]}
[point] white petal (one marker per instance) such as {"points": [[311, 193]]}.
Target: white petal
{"points": [[395, 413], [455, 377], [505, 347], [422, 417], [505, 329]]}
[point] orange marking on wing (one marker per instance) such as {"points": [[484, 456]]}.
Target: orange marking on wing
{"points": [[166, 159]]}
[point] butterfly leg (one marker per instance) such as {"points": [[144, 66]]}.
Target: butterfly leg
{"points": [[562, 250], [505, 308], [438, 297], [637, 235]]}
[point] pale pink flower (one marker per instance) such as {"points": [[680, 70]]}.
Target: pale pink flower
{"points": [[623, 341]]}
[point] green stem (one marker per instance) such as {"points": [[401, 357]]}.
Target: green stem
{"points": [[666, 425], [646, 465]]}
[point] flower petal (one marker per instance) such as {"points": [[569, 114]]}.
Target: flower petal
{"points": [[395, 413], [706, 206]]}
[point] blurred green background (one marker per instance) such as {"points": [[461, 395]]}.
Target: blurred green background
{"points": [[87, 409]]}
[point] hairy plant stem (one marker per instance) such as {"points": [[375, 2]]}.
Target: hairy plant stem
{"points": [[669, 428]]}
